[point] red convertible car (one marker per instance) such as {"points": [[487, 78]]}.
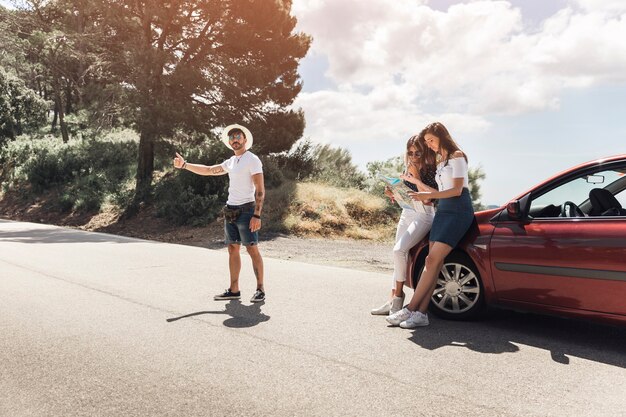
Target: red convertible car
{"points": [[559, 248]]}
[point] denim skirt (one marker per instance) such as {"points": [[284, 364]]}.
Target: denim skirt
{"points": [[453, 218]]}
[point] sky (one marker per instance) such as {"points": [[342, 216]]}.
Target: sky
{"points": [[527, 88]]}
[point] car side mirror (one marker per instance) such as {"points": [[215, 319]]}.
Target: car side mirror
{"points": [[513, 210]]}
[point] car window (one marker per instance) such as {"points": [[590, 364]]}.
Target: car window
{"points": [[621, 197], [577, 191]]}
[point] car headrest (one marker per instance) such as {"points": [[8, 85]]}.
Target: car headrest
{"points": [[601, 201]]}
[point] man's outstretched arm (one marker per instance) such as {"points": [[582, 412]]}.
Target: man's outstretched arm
{"points": [[180, 163]]}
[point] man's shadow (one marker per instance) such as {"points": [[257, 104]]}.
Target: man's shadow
{"points": [[241, 316]]}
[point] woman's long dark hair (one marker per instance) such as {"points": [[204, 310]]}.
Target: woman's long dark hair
{"points": [[445, 140]]}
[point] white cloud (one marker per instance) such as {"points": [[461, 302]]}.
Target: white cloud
{"points": [[476, 57], [397, 65], [350, 119], [610, 6], [581, 50]]}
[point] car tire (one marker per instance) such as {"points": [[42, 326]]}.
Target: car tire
{"points": [[459, 294]]}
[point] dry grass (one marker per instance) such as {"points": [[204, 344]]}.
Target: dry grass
{"points": [[320, 210], [299, 209]]}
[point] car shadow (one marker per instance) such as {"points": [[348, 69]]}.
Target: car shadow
{"points": [[241, 315], [502, 331]]}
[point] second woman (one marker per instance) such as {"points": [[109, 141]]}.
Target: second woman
{"points": [[414, 224]]}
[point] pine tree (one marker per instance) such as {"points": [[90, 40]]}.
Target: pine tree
{"points": [[198, 65]]}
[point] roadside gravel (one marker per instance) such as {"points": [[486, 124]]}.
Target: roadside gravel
{"points": [[353, 254], [345, 253]]}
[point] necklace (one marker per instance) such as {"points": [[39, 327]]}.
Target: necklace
{"points": [[238, 158]]}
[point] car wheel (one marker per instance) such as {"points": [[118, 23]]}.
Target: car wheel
{"points": [[459, 294]]}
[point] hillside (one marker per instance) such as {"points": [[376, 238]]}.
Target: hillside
{"points": [[306, 210]]}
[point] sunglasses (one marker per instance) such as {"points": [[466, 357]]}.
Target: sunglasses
{"points": [[234, 136], [411, 153]]}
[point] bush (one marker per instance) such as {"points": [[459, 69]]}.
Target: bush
{"points": [[272, 173], [319, 163], [186, 198], [86, 172], [334, 166], [392, 167], [181, 204], [297, 164], [84, 195]]}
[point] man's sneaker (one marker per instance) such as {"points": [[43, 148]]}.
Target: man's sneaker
{"points": [[258, 296], [396, 304], [417, 319], [396, 318], [228, 295], [383, 310]]}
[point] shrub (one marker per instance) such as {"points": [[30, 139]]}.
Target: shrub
{"points": [[297, 164], [85, 172], [272, 173], [319, 163], [183, 197], [181, 204], [86, 194]]}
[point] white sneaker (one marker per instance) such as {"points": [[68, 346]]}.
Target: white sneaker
{"points": [[396, 304], [417, 319], [383, 310], [398, 317]]}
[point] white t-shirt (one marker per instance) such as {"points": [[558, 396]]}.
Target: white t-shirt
{"points": [[446, 172], [240, 171]]}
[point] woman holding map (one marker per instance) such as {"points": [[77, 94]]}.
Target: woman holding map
{"points": [[415, 222], [454, 217]]}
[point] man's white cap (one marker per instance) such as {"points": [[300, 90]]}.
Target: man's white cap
{"points": [[245, 131]]}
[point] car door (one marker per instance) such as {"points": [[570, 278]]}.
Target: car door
{"points": [[567, 262]]}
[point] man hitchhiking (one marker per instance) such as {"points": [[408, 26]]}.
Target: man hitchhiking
{"points": [[242, 213]]}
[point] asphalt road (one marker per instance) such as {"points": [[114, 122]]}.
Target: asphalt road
{"points": [[100, 325]]}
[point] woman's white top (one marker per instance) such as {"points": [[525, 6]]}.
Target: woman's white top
{"points": [[450, 169], [240, 171]]}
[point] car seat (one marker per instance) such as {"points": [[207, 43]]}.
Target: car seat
{"points": [[603, 203]]}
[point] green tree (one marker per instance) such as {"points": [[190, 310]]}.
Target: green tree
{"points": [[12, 46], [20, 107], [475, 176], [324, 163], [62, 44], [333, 165], [391, 167], [197, 65]]}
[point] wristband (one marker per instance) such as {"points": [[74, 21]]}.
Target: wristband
{"points": [[256, 216], [184, 165]]}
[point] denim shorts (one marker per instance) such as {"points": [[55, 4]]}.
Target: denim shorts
{"points": [[238, 233]]}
